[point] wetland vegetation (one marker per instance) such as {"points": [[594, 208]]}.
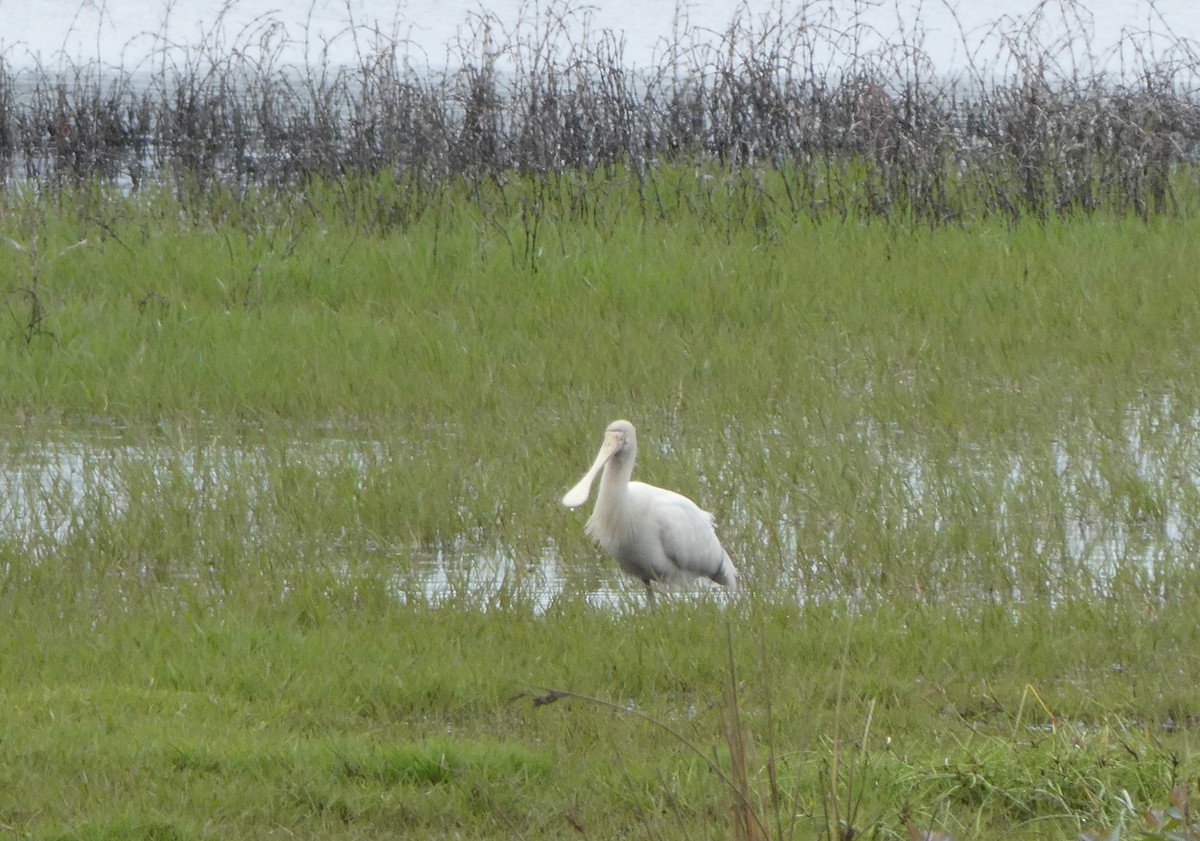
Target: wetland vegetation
{"points": [[281, 552]]}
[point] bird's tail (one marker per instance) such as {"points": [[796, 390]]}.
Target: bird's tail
{"points": [[727, 575]]}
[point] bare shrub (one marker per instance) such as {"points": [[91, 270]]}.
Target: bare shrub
{"points": [[807, 114]]}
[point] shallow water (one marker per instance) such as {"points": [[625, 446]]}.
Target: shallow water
{"points": [[54, 490]]}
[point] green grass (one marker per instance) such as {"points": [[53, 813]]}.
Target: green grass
{"points": [[374, 721], [956, 467], [305, 315]]}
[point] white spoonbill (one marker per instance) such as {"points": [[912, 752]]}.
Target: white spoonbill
{"points": [[653, 534]]}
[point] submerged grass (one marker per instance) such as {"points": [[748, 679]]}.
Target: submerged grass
{"points": [[840, 393], [281, 551]]}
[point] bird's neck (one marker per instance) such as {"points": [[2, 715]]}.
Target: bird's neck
{"points": [[614, 482], [609, 521]]}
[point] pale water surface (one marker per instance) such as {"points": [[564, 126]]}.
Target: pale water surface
{"points": [[952, 33], [52, 494]]}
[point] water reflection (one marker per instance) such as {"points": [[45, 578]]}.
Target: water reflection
{"points": [[465, 574], [53, 493]]}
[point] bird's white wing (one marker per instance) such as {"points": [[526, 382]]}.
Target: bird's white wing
{"points": [[685, 531]]}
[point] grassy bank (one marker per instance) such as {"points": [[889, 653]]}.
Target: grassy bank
{"points": [[370, 721], [956, 466]]}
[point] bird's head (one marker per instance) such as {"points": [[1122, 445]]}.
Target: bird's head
{"points": [[620, 443], [621, 437]]}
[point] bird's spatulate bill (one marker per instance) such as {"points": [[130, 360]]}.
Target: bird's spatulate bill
{"points": [[579, 494]]}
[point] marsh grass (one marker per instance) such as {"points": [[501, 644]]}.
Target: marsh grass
{"points": [[985, 413]]}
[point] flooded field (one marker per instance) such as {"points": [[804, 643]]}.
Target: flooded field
{"points": [[282, 548], [1061, 517]]}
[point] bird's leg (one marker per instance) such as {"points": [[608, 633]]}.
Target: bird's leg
{"points": [[649, 594]]}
